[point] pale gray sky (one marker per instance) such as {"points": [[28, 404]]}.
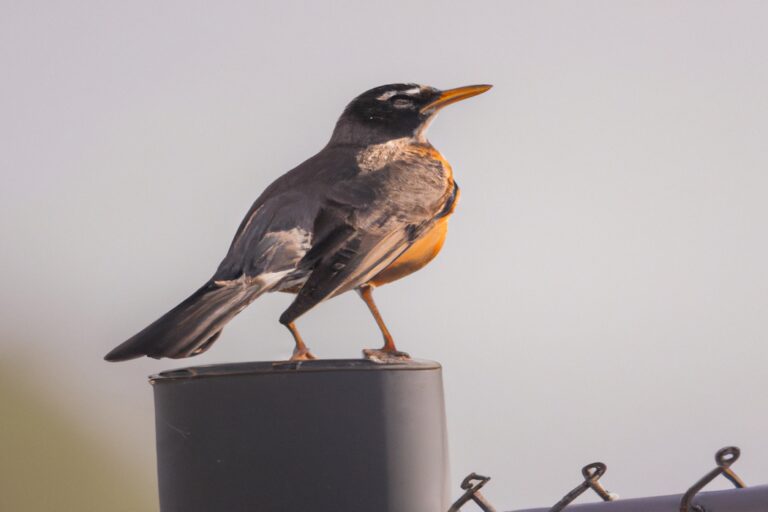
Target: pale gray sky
{"points": [[603, 291]]}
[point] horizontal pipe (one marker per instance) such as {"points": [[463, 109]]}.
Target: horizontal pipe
{"points": [[749, 499]]}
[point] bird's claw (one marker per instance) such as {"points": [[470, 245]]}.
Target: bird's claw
{"points": [[302, 355], [383, 356]]}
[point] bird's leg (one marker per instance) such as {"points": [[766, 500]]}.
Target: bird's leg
{"points": [[388, 353], [300, 351]]}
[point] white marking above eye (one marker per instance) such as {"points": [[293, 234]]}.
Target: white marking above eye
{"points": [[408, 92]]}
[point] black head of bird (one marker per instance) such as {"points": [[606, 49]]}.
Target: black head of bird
{"points": [[368, 209], [396, 110]]}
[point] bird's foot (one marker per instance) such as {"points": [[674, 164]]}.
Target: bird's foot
{"points": [[384, 356], [302, 355]]}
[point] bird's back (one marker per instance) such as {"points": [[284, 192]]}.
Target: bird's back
{"points": [[369, 189]]}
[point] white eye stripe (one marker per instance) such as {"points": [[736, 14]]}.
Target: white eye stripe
{"points": [[386, 95], [408, 92]]}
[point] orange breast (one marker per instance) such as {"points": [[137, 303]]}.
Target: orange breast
{"points": [[428, 246], [417, 256]]}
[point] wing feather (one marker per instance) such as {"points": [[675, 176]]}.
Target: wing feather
{"points": [[381, 215]]}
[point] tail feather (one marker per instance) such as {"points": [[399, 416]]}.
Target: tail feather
{"points": [[191, 327]]}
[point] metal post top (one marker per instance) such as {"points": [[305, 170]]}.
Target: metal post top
{"points": [[273, 367]]}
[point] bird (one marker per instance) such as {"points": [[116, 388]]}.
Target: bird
{"points": [[368, 209]]}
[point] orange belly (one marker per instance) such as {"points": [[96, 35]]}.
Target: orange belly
{"points": [[416, 257], [425, 248]]}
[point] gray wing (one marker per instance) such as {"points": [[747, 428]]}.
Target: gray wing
{"points": [[274, 237], [366, 224], [278, 230]]}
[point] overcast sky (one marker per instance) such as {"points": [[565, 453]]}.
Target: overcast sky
{"points": [[602, 294]]}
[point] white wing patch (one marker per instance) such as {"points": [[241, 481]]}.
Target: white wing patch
{"points": [[265, 280], [295, 238], [278, 254], [281, 250]]}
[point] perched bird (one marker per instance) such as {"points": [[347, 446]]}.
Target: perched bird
{"points": [[371, 207]]}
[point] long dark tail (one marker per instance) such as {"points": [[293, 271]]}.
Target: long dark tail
{"points": [[191, 327]]}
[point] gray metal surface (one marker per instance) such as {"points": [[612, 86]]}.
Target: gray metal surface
{"points": [[336, 436], [749, 499]]}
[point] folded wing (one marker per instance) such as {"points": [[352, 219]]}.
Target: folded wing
{"points": [[370, 220]]}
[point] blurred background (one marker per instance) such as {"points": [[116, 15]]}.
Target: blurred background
{"points": [[602, 294]]}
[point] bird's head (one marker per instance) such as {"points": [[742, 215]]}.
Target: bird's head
{"points": [[395, 111]]}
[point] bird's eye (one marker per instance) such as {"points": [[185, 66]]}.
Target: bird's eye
{"points": [[401, 101]]}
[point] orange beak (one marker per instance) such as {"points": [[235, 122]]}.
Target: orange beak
{"points": [[454, 95]]}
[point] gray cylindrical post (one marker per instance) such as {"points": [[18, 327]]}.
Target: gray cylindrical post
{"points": [[336, 436]]}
